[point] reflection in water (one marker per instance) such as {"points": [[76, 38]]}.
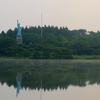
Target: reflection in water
{"points": [[55, 73], [18, 80], [59, 77], [41, 88]]}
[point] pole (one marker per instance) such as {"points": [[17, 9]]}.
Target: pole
{"points": [[41, 27], [17, 22], [41, 87]]}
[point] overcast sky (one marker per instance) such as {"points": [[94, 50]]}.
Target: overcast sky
{"points": [[75, 14]]}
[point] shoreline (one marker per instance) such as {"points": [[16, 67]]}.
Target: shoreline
{"points": [[74, 57]]}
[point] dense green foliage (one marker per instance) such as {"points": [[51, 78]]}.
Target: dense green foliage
{"points": [[59, 43]]}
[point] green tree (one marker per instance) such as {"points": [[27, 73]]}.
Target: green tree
{"points": [[7, 46], [46, 54], [63, 53], [3, 33], [81, 46], [10, 33], [36, 55], [7, 42]]}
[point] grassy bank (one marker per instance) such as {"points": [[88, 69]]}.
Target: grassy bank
{"points": [[86, 56], [74, 57]]}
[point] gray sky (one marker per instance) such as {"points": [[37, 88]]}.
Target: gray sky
{"points": [[75, 14]]}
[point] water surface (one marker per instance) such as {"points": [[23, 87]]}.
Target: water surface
{"points": [[49, 79]]}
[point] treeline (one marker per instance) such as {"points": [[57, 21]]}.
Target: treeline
{"points": [[55, 42]]}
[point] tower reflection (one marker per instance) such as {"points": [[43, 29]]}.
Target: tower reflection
{"points": [[18, 80]]}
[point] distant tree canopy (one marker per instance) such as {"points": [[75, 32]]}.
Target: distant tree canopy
{"points": [[55, 41]]}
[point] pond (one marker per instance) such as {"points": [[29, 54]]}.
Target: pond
{"points": [[49, 79]]}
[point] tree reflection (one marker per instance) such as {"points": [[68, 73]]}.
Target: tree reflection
{"points": [[55, 73]]}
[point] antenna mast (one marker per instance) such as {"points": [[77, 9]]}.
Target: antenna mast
{"points": [[41, 19], [41, 27], [17, 22]]}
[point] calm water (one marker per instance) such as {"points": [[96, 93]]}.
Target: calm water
{"points": [[49, 79]]}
